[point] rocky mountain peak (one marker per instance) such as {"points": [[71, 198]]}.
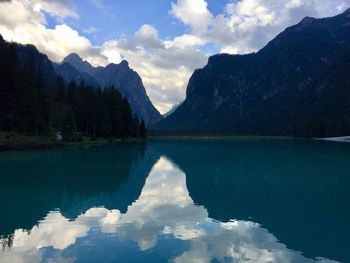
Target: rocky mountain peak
{"points": [[347, 11], [78, 63], [121, 76], [307, 20], [124, 63], [257, 93], [73, 57]]}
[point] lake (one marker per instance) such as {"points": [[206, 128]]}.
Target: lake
{"points": [[178, 201]]}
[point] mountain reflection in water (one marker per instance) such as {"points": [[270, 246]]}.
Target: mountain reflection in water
{"points": [[141, 206], [162, 224]]}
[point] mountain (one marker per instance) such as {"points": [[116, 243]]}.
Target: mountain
{"points": [[70, 73], [172, 110], [25, 75], [298, 84], [35, 102], [77, 62], [29, 56], [126, 80]]}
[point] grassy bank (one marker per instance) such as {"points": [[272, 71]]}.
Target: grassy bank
{"points": [[90, 142], [15, 141]]}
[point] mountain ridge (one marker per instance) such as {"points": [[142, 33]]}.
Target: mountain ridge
{"points": [[78, 63], [268, 92], [125, 79], [71, 73]]}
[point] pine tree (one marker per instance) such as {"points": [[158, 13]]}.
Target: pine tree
{"points": [[72, 93], [127, 120], [32, 120], [143, 130], [69, 126], [7, 87], [115, 105], [57, 104]]}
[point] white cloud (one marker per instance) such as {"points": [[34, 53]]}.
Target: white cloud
{"points": [[185, 41], [27, 24], [193, 13], [247, 25], [165, 66], [58, 8], [147, 37]]}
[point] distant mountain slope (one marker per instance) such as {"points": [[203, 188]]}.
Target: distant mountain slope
{"points": [[172, 110], [280, 90], [80, 65], [127, 81], [28, 54], [25, 75], [70, 73]]}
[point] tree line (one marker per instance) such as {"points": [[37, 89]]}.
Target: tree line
{"points": [[76, 110]]}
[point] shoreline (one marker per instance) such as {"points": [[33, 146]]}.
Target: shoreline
{"points": [[18, 142], [220, 137], [343, 139]]}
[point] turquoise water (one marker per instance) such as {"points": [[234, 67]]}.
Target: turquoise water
{"points": [[178, 201]]}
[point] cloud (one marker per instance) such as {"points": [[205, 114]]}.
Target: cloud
{"points": [[165, 66], [27, 24], [185, 41], [58, 8], [91, 30], [98, 3], [193, 13], [247, 25], [147, 37]]}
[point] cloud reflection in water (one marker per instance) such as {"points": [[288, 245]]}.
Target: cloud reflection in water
{"points": [[163, 209]]}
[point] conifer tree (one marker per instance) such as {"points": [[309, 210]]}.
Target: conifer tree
{"points": [[69, 126], [143, 130]]}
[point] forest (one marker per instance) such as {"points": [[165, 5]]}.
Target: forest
{"points": [[31, 106]]}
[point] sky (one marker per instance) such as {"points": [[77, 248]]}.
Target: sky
{"points": [[163, 40]]}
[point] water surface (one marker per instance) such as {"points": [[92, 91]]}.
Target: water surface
{"points": [[177, 201]]}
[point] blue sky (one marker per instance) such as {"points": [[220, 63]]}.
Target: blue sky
{"points": [[163, 40], [101, 20]]}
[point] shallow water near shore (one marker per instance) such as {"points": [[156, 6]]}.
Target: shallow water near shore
{"points": [[221, 200]]}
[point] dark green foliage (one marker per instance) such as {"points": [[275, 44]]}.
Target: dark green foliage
{"points": [[69, 125], [7, 86], [92, 112], [127, 119], [23, 99], [57, 104], [31, 106], [142, 130]]}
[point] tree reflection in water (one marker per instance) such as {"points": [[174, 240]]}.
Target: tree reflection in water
{"points": [[163, 211]]}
